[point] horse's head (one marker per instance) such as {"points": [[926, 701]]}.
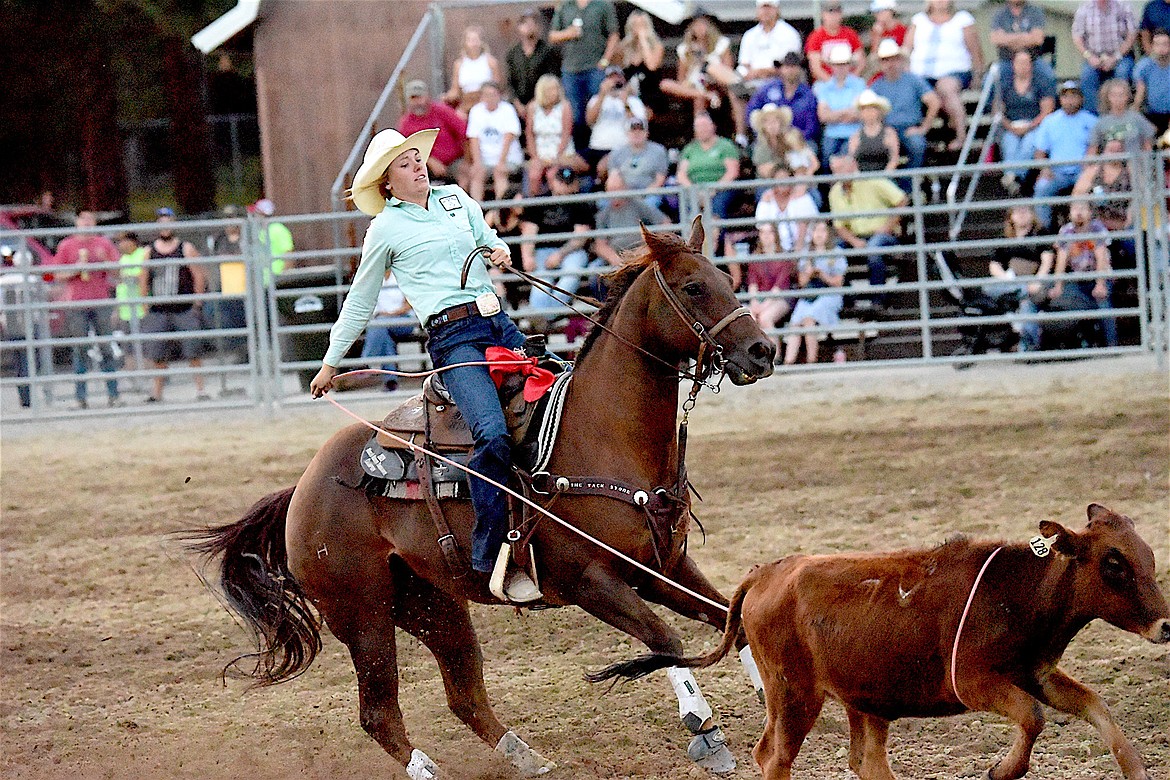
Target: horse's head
{"points": [[690, 306]]}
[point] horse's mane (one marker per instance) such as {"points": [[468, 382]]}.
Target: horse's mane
{"points": [[618, 282]]}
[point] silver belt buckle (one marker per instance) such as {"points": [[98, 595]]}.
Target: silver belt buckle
{"points": [[488, 304]]}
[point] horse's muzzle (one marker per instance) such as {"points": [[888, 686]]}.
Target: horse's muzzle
{"points": [[756, 362]]}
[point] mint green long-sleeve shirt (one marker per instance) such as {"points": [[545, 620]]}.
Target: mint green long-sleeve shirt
{"points": [[425, 248]]}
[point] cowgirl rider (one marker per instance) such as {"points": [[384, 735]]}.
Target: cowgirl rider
{"points": [[423, 234]]}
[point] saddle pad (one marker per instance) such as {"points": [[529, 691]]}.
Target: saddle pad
{"points": [[393, 473]]}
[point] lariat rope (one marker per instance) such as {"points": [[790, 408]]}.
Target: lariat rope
{"points": [[962, 621]]}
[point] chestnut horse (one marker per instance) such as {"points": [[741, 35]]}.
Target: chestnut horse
{"points": [[368, 565]]}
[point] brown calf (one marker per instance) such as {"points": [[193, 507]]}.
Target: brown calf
{"points": [[877, 632]]}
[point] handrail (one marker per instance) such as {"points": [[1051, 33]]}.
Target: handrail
{"points": [[960, 214], [990, 79]]}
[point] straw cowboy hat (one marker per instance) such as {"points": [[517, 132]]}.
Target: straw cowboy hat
{"points": [[871, 98], [383, 148], [760, 114]]}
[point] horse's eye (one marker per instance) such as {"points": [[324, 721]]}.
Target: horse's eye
{"points": [[693, 289]]}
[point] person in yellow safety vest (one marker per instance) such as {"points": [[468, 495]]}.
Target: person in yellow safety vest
{"points": [[273, 235], [133, 256]]}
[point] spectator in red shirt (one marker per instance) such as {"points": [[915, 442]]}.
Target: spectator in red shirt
{"points": [[90, 286], [885, 25], [448, 160], [831, 31]]}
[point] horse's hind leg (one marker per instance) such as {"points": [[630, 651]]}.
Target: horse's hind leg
{"points": [[443, 624]]}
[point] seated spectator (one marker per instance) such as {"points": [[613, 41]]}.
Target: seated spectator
{"points": [[765, 45], [1151, 79], [820, 40], [1019, 27], [493, 130], [789, 209], [1155, 16], [907, 93], [566, 255], [766, 278], [886, 27], [609, 113], [837, 103], [474, 67], [382, 339], [549, 133], [1026, 96], [529, 59], [875, 144], [770, 150], [858, 196], [1062, 137], [1082, 246], [1117, 119], [707, 159], [642, 163], [945, 50], [1022, 259], [790, 91], [1103, 32], [802, 157], [506, 222], [448, 160], [827, 272], [623, 213], [640, 54], [1108, 186], [706, 70]]}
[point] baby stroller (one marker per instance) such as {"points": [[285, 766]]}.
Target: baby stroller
{"points": [[979, 339]]}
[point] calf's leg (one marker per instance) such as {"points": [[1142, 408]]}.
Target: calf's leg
{"points": [[1066, 694], [793, 707], [995, 695]]}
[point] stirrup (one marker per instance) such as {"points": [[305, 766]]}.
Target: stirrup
{"points": [[501, 585]]}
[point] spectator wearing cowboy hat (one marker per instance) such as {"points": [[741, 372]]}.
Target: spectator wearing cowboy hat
{"points": [[908, 94], [791, 90], [423, 234], [875, 144], [837, 102]]}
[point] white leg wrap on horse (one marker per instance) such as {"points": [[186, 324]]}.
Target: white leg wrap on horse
{"points": [[421, 767], [693, 709], [527, 761], [753, 671]]}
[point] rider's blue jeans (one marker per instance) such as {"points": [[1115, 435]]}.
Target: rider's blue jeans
{"points": [[476, 396]]}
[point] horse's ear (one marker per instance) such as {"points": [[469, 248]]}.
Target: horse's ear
{"points": [[651, 239], [698, 235]]}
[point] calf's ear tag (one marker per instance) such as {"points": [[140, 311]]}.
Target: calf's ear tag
{"points": [[1042, 545]]}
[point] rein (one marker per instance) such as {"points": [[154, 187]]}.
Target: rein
{"points": [[963, 620]]}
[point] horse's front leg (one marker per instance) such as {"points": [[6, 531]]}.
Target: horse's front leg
{"points": [[610, 599], [687, 575]]}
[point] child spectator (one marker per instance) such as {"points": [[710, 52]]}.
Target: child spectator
{"points": [[766, 278], [707, 159], [831, 32], [837, 102], [1019, 27], [1022, 259], [1110, 185], [790, 90], [566, 255], [1103, 31], [529, 59], [826, 272], [474, 67], [907, 93], [886, 27], [875, 144], [1117, 119], [493, 129], [448, 160], [1151, 79], [1063, 137], [609, 114], [640, 54], [862, 196], [945, 50], [1082, 246], [1026, 97], [642, 163], [549, 133]]}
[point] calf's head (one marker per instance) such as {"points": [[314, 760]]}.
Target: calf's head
{"points": [[1115, 573]]}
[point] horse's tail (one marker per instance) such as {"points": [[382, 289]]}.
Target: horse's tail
{"points": [[640, 667], [255, 580]]}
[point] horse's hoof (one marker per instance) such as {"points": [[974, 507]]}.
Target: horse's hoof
{"points": [[422, 768], [709, 750], [527, 761]]}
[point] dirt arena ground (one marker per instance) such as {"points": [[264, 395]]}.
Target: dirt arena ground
{"points": [[112, 648]]}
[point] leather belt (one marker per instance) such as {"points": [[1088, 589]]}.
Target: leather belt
{"points": [[460, 311]]}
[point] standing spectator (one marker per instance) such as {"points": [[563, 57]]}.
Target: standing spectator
{"points": [[382, 339], [1117, 119], [831, 32], [1019, 26], [707, 159], [493, 130], [640, 54], [1026, 97], [791, 90], [1151, 79], [448, 160], [623, 213], [875, 144], [886, 27], [231, 279], [274, 235], [1082, 246], [168, 274], [93, 289], [767, 280], [131, 257], [529, 59], [858, 196], [825, 272], [763, 47], [566, 255], [788, 209], [907, 93], [1155, 16], [18, 291], [474, 67], [836, 102], [609, 114], [1103, 32], [945, 50], [587, 32], [549, 133], [1062, 137], [641, 163]]}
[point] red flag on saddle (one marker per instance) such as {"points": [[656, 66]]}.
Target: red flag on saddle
{"points": [[539, 379]]}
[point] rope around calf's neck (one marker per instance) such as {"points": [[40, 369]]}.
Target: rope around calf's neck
{"points": [[962, 621]]}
